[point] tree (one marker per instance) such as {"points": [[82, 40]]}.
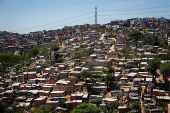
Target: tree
{"points": [[164, 107], [142, 55], [62, 104], [83, 46], [90, 51], [126, 51], [154, 50], [4, 108], [125, 24], [57, 58], [43, 109], [77, 54], [86, 108], [110, 77], [111, 108], [109, 80], [13, 95], [135, 35], [32, 53], [136, 105], [39, 42], [95, 101], [110, 69], [17, 109], [165, 70], [54, 46], [153, 66], [84, 74]]}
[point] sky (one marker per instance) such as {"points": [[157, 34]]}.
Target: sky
{"points": [[24, 16]]}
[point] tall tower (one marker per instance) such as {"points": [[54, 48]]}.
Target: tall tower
{"points": [[95, 15]]}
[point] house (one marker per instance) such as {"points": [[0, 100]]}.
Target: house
{"points": [[29, 75], [52, 103], [57, 93], [39, 101]]}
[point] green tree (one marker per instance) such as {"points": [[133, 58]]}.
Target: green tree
{"points": [[17, 109], [8, 60], [135, 35], [54, 46], [43, 109], [32, 53], [110, 77], [136, 105], [111, 108], [154, 50], [153, 66], [39, 42], [84, 74], [90, 51], [13, 95], [110, 69], [126, 51], [86, 108], [83, 46], [96, 101], [142, 55], [77, 54], [165, 70], [62, 104], [164, 107], [4, 108], [109, 80]]}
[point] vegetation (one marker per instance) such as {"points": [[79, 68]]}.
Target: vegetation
{"points": [[126, 51], [111, 108], [39, 42], [89, 52], [153, 66], [84, 74], [46, 49], [4, 108], [43, 66], [164, 107], [154, 50], [165, 70], [110, 30], [83, 46], [8, 60], [136, 106], [110, 77], [164, 56], [43, 109], [32, 53], [96, 101], [17, 109], [64, 38], [62, 104], [77, 54], [153, 40], [142, 55], [13, 95], [135, 35], [86, 108]]}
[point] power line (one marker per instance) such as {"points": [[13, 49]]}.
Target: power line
{"points": [[136, 9], [136, 13], [53, 22], [71, 22]]}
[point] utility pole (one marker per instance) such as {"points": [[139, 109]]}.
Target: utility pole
{"points": [[95, 17]]}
